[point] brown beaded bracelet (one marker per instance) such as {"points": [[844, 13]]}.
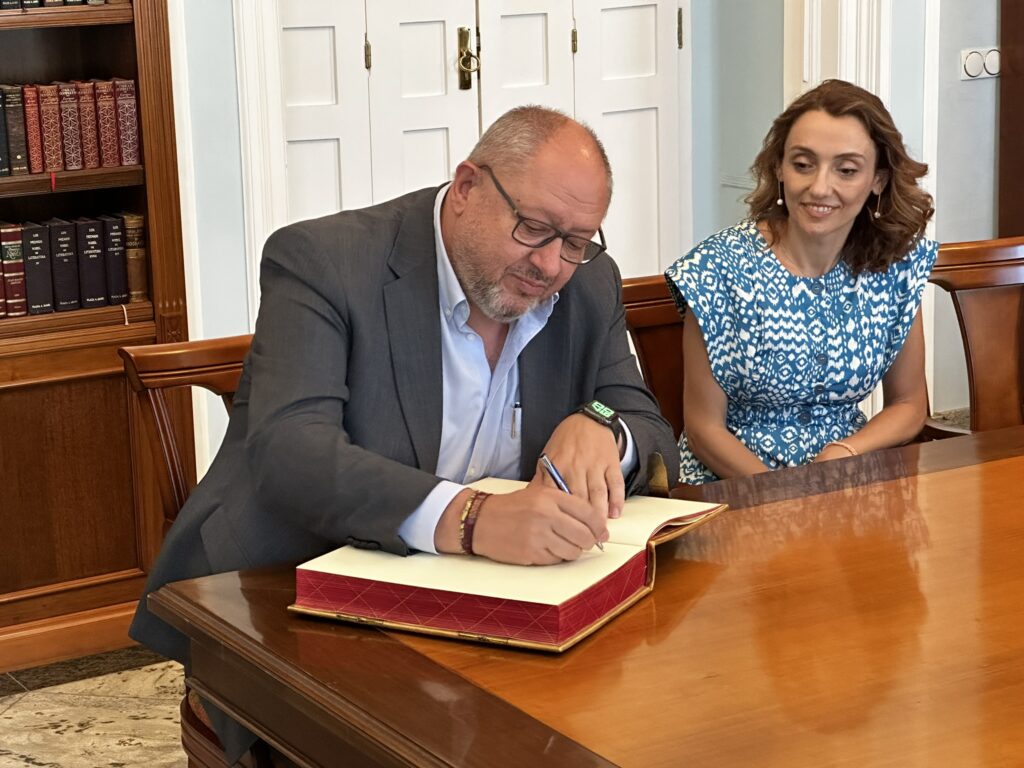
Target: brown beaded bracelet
{"points": [[468, 521], [846, 446]]}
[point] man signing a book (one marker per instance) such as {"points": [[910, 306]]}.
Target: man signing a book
{"points": [[406, 349]]}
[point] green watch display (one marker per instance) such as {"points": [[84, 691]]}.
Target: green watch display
{"points": [[602, 414]]}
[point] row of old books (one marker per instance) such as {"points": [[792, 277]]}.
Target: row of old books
{"points": [[12, 4], [68, 126], [60, 265]]}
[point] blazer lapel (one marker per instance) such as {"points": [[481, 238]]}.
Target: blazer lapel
{"points": [[411, 309], [545, 383]]}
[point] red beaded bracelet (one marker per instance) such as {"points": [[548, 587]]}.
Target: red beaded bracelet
{"points": [[468, 522]]}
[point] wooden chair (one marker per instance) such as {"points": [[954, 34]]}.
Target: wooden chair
{"points": [[985, 279], [656, 328], [152, 371]]}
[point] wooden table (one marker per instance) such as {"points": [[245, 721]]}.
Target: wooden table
{"points": [[864, 612]]}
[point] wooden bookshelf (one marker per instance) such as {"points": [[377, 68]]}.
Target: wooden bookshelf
{"points": [[71, 16], [79, 499], [71, 181]]}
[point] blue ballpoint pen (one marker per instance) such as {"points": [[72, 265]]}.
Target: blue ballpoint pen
{"points": [[555, 475]]}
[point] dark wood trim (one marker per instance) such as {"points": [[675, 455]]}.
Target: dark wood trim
{"points": [[72, 16], [72, 181], [1010, 157]]}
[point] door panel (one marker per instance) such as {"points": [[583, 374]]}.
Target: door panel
{"points": [[526, 56], [326, 107], [626, 88], [422, 124]]}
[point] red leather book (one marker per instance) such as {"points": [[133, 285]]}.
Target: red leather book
{"points": [[70, 129], [13, 261], [49, 121], [127, 120], [33, 128], [547, 608], [106, 124], [87, 121]]}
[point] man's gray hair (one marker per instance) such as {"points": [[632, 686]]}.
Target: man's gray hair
{"points": [[513, 139]]}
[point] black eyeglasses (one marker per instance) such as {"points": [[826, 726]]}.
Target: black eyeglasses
{"points": [[537, 234]]}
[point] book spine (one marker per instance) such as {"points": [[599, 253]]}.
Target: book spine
{"points": [[95, 2], [14, 114], [92, 272], [49, 125], [8, 5], [5, 162], [14, 269], [33, 128], [87, 121], [114, 254], [70, 130], [31, 3], [106, 121], [35, 247], [135, 257], [127, 120], [52, 3], [64, 260], [74, 2]]}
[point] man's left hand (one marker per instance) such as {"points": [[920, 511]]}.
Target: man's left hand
{"points": [[587, 456]]}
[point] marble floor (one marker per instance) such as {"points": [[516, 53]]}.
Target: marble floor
{"points": [[112, 710]]}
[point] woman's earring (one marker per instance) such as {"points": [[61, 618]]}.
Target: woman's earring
{"points": [[780, 201], [878, 206]]}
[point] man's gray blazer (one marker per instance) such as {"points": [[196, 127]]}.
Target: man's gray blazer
{"points": [[336, 423]]}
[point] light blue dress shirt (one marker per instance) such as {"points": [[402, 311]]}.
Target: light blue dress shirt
{"points": [[481, 417]]}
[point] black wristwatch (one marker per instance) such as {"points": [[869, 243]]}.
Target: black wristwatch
{"points": [[602, 414]]}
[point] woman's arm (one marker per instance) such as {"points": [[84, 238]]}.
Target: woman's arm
{"points": [[906, 402], [704, 410]]}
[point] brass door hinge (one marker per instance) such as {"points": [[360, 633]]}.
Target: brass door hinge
{"points": [[679, 28], [367, 52], [575, 40]]}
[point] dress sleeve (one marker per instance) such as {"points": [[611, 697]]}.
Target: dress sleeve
{"points": [[700, 282]]}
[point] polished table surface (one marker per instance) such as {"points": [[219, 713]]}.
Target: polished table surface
{"points": [[863, 612]]}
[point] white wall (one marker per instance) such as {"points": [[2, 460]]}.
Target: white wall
{"points": [[737, 92], [965, 197], [212, 210]]}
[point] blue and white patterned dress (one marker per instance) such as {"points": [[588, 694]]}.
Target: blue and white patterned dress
{"points": [[794, 355]]}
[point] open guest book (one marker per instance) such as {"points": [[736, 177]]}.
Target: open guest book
{"points": [[548, 607]]}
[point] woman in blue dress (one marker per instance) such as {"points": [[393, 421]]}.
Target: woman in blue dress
{"points": [[793, 316]]}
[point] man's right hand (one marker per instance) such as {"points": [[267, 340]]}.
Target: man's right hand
{"points": [[538, 525]]}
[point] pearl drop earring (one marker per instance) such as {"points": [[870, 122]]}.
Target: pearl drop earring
{"points": [[780, 201]]}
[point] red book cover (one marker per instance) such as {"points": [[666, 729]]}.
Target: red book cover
{"points": [[106, 124], [49, 121], [70, 129], [87, 121], [33, 128], [548, 607], [127, 120], [14, 269]]}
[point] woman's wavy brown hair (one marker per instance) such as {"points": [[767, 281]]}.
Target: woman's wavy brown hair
{"points": [[873, 244]]}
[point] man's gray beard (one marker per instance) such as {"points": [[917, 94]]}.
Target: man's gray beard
{"points": [[487, 296]]}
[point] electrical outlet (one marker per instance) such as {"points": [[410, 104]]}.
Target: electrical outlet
{"points": [[979, 63]]}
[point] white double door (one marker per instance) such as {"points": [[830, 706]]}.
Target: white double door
{"points": [[357, 135]]}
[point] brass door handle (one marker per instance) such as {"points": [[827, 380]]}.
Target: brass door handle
{"points": [[468, 61]]}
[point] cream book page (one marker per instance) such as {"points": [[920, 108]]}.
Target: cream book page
{"points": [[642, 517]]}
